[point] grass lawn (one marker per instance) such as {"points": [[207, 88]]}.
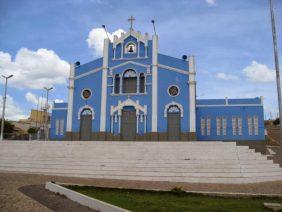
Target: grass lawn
{"points": [[177, 200]]}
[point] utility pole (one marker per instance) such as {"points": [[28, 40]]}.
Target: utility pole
{"points": [[4, 105], [47, 109], [275, 47]]}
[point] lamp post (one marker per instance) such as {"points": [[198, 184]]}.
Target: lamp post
{"points": [[4, 105], [275, 48], [47, 109]]}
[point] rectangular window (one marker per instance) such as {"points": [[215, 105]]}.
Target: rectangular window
{"points": [[256, 129], [57, 127], [237, 127], [218, 125], [250, 125], [62, 127], [224, 125], [234, 125], [239, 119], [208, 126], [203, 126]]}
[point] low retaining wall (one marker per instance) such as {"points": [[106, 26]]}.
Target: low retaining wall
{"points": [[83, 199]]}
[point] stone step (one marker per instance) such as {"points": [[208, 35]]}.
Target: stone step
{"points": [[138, 173], [202, 162], [122, 161], [189, 169], [190, 164]]}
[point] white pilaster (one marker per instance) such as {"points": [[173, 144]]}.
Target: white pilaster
{"points": [[192, 94], [70, 98], [121, 54], [104, 86], [155, 84]]}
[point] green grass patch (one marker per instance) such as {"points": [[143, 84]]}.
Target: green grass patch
{"points": [[174, 200]]}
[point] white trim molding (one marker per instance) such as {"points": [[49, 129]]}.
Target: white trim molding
{"points": [[104, 86], [128, 62], [192, 94], [173, 69], [155, 84], [128, 102], [228, 105], [70, 98], [88, 73], [60, 108], [83, 108], [172, 104]]}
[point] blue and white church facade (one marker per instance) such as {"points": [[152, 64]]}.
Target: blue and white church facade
{"points": [[134, 92]]}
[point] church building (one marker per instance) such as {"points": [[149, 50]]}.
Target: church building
{"points": [[135, 93]]}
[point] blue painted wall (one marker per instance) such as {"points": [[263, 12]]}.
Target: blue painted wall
{"points": [[205, 107], [229, 111], [59, 112]]}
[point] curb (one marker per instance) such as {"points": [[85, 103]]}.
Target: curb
{"points": [[205, 193], [83, 199]]}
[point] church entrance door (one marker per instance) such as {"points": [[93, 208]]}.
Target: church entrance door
{"points": [[128, 124], [173, 123], [85, 125]]}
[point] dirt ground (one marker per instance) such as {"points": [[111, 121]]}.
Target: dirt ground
{"points": [[14, 185]]}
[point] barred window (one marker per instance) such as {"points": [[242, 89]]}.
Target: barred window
{"points": [[224, 125], [208, 126], [203, 126], [250, 125], [239, 125], [256, 129], [218, 125], [57, 127], [234, 125], [62, 127]]}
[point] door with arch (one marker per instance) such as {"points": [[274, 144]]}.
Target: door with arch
{"points": [[173, 123], [86, 125], [128, 123]]}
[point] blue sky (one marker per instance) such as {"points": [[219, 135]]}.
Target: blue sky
{"points": [[231, 41]]}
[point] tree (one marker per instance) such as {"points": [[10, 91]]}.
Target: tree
{"points": [[8, 128], [32, 130], [276, 122]]}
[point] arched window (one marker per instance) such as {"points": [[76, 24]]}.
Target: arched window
{"points": [[117, 83], [130, 48], [173, 109], [86, 111], [142, 83], [129, 81]]}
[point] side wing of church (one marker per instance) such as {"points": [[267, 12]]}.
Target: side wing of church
{"points": [[135, 93]]}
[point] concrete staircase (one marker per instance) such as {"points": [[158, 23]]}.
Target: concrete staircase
{"points": [[197, 162]]}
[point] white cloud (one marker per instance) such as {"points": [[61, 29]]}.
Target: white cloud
{"points": [[58, 101], [226, 77], [36, 100], [34, 69], [211, 2], [96, 38], [258, 72], [12, 111], [40, 101]]}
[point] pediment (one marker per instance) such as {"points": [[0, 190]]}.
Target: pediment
{"points": [[129, 62]]}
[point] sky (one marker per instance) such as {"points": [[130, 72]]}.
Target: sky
{"points": [[231, 42]]}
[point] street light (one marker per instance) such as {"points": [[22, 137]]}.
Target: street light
{"points": [[276, 59], [47, 109], [4, 105]]}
